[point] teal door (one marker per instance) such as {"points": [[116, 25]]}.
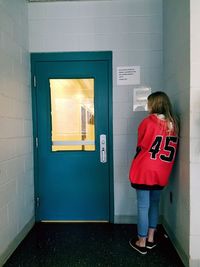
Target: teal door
{"points": [[73, 136]]}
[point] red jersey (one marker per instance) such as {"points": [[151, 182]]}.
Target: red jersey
{"points": [[156, 150]]}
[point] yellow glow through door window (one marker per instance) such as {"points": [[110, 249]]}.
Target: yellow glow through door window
{"points": [[72, 114]]}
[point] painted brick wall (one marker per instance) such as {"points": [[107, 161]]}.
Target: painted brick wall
{"points": [[194, 133], [176, 32], [16, 159], [133, 31]]}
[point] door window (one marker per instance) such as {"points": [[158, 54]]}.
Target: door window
{"points": [[72, 114]]}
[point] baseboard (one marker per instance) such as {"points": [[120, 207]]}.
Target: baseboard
{"points": [[125, 219], [17, 240], [177, 246], [194, 262]]}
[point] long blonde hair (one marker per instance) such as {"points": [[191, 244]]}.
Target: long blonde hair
{"points": [[159, 103]]}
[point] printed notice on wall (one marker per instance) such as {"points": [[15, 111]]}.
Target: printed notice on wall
{"points": [[140, 96], [128, 75]]}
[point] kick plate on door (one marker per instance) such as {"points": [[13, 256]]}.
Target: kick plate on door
{"points": [[103, 151]]}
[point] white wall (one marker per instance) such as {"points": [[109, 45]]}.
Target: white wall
{"points": [[176, 51], [133, 31], [16, 159], [194, 133]]}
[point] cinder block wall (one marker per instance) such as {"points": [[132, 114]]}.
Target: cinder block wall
{"points": [[16, 155], [194, 133], [176, 54]]}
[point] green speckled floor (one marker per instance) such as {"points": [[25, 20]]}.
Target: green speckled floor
{"points": [[90, 245]]}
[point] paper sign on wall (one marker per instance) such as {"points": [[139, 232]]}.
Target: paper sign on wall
{"points": [[140, 95], [128, 75]]}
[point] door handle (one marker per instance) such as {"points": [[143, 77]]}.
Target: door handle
{"points": [[103, 150]]}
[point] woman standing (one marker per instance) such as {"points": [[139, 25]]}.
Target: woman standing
{"points": [[152, 165]]}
